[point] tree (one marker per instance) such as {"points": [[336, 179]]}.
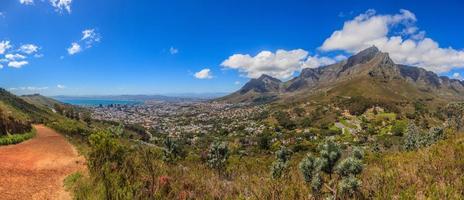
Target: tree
{"points": [[280, 165], [264, 141], [218, 154], [338, 178]]}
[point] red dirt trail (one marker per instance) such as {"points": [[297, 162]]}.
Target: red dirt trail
{"points": [[35, 169]]}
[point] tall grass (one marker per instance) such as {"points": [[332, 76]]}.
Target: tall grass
{"points": [[16, 138], [434, 172]]}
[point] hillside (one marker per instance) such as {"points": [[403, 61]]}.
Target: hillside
{"points": [[41, 101], [17, 115], [370, 73]]}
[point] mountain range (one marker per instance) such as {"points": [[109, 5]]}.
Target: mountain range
{"points": [[369, 73]]}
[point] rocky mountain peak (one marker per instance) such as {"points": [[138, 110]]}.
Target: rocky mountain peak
{"points": [[363, 56]]}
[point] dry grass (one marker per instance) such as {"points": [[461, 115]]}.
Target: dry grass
{"points": [[436, 172]]}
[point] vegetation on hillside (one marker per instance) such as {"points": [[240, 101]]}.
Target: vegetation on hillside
{"points": [[387, 155], [16, 138]]}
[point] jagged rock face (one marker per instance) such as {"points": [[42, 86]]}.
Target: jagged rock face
{"points": [[308, 78], [369, 63], [263, 84]]}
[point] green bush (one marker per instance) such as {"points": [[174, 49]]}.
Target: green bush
{"points": [[16, 138]]}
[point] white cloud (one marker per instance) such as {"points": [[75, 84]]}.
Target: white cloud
{"points": [[90, 36], [4, 45], [75, 48], [26, 2], [17, 64], [457, 76], [204, 74], [237, 82], [281, 64], [29, 48], [173, 50], [13, 57], [409, 46], [61, 5], [28, 88], [60, 86], [1, 66]]}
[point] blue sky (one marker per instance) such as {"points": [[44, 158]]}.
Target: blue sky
{"points": [[205, 46]]}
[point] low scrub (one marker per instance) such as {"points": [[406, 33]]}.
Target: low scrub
{"points": [[16, 138], [434, 172]]}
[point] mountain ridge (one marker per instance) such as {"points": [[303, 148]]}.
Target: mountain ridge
{"points": [[370, 64]]}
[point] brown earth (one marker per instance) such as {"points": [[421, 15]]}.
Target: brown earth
{"points": [[35, 169]]}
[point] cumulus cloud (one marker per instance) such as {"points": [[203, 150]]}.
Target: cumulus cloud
{"points": [[61, 5], [17, 64], [4, 45], [13, 57], [204, 74], [173, 50], [409, 46], [26, 2], [59, 86], [74, 48], [28, 48], [281, 64]]}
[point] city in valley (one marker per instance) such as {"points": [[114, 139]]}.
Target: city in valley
{"points": [[188, 118]]}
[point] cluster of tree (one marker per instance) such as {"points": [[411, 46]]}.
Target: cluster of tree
{"points": [[357, 105], [284, 120], [71, 112]]}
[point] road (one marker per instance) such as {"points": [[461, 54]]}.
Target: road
{"points": [[35, 169]]}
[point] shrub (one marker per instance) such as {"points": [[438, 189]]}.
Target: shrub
{"points": [[399, 127], [171, 150], [280, 166], [16, 138], [416, 139], [218, 154], [264, 142], [345, 184]]}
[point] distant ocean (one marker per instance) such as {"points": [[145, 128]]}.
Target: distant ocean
{"points": [[97, 102]]}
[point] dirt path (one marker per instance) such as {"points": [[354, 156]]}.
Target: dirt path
{"points": [[35, 169]]}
